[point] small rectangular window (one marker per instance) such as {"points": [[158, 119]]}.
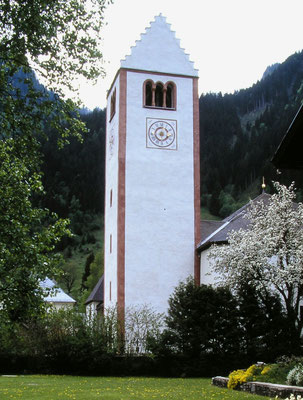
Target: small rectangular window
{"points": [[111, 198], [113, 105]]}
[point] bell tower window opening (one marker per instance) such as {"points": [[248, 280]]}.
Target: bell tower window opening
{"points": [[149, 93], [159, 95], [170, 96], [113, 105]]}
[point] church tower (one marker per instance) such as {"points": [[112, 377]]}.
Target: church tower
{"points": [[152, 206]]}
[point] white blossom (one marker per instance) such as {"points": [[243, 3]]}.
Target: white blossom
{"points": [[269, 253]]}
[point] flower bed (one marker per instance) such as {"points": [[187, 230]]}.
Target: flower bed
{"points": [[262, 388]]}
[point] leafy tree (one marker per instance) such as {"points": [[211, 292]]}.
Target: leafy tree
{"points": [[69, 275], [141, 323], [59, 40], [90, 258], [266, 334], [202, 320], [268, 255], [96, 270], [28, 236]]}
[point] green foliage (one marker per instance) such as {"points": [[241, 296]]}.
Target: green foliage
{"points": [[240, 132], [202, 321], [63, 341], [50, 387], [236, 378], [86, 273], [60, 41], [141, 324], [96, 270], [212, 330], [28, 234], [295, 376], [265, 328], [59, 38]]}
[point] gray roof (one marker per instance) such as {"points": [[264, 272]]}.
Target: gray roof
{"points": [[217, 231], [57, 295], [97, 292]]}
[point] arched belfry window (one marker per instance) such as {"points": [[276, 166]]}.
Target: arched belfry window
{"points": [[159, 95], [170, 94], [149, 93]]}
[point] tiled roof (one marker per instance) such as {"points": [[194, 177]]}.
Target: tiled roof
{"points": [[217, 231], [97, 292], [56, 296]]}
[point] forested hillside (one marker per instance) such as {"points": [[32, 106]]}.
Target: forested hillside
{"points": [[239, 134]]}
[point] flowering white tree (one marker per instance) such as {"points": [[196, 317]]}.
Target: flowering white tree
{"points": [[268, 254]]}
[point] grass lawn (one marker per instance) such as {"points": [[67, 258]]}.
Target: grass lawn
{"points": [[43, 387]]}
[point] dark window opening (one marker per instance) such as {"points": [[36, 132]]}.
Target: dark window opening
{"points": [[169, 96], [148, 94], [159, 95], [113, 104]]}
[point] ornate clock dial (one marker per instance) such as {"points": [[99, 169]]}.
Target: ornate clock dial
{"points": [[161, 133]]}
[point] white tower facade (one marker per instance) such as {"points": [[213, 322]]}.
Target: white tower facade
{"points": [[152, 207]]}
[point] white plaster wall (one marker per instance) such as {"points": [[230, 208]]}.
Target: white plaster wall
{"points": [[111, 213], [159, 198], [61, 305], [148, 55], [207, 275]]}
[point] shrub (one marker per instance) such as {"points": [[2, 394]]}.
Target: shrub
{"points": [[293, 397], [295, 376], [236, 378]]}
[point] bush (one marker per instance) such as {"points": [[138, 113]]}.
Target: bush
{"points": [[295, 376], [203, 330], [236, 378]]}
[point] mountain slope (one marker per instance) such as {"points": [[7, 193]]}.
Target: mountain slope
{"points": [[240, 133]]}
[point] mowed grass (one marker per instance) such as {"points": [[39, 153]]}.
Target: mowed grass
{"points": [[44, 387]]}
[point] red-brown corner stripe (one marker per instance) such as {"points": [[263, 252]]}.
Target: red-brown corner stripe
{"points": [[121, 195], [196, 176]]}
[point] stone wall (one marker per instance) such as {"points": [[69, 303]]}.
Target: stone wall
{"points": [[262, 388]]}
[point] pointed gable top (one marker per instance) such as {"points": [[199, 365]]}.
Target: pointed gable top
{"points": [[159, 50]]}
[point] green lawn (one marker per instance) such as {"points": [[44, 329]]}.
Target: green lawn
{"points": [[43, 387]]}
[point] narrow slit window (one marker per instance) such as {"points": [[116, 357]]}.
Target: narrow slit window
{"points": [[110, 243], [111, 198], [113, 105]]}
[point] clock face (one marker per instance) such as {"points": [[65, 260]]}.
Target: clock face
{"points": [[161, 133]]}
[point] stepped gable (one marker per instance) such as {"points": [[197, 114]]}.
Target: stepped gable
{"points": [[159, 50]]}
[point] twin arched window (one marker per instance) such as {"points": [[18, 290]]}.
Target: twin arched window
{"points": [[159, 94]]}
